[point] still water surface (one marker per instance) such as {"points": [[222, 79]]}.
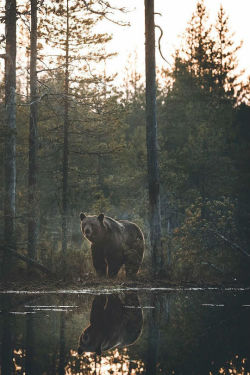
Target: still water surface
{"points": [[161, 331]]}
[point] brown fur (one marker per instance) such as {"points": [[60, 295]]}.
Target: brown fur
{"points": [[113, 324], [113, 243]]}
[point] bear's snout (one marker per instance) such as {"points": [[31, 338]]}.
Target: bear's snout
{"points": [[87, 232]]}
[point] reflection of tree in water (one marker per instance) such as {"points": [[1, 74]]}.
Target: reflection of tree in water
{"points": [[62, 342], [30, 347], [6, 347], [197, 339], [158, 305]]}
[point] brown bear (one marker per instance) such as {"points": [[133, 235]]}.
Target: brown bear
{"points": [[113, 324], [114, 243]]}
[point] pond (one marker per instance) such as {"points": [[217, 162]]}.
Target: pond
{"points": [[125, 331]]}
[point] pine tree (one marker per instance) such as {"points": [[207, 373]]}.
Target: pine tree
{"points": [[71, 33], [152, 140], [10, 131], [199, 114], [225, 58], [33, 138], [197, 119], [198, 44]]}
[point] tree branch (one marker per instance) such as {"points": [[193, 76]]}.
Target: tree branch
{"points": [[104, 12], [233, 244], [159, 45]]}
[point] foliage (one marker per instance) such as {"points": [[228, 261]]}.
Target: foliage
{"points": [[200, 175], [203, 147], [205, 241]]}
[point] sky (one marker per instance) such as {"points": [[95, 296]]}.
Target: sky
{"points": [[175, 15], [174, 19]]}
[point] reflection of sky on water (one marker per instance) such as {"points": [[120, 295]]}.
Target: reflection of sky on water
{"points": [[114, 362], [117, 362]]}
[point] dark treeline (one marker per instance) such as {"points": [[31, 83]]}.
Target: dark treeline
{"points": [[91, 147]]}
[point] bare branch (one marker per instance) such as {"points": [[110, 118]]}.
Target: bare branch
{"points": [[233, 244], [34, 101], [104, 13], [99, 153], [159, 44]]}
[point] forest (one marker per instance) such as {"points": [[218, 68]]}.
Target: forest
{"points": [[76, 141]]}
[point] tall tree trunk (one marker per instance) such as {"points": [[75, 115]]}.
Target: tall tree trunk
{"points": [[65, 167], [10, 141], [32, 176], [151, 123]]}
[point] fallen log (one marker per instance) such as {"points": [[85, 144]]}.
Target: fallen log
{"points": [[231, 243], [213, 266], [30, 261]]}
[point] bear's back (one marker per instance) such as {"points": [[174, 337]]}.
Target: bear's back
{"points": [[132, 230]]}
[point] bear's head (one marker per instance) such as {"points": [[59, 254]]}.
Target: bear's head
{"points": [[90, 340], [93, 227]]}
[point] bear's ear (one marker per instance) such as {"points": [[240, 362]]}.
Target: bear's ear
{"points": [[101, 217], [82, 216]]}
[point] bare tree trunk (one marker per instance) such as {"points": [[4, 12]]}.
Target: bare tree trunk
{"points": [[65, 142], [10, 141], [32, 176], [151, 123]]}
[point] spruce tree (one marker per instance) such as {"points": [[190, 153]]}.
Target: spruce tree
{"points": [[199, 114], [225, 58], [198, 44]]}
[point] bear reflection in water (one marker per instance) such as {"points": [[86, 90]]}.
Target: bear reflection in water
{"points": [[113, 324], [113, 243]]}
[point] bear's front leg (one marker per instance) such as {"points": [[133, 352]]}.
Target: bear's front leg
{"points": [[113, 268], [99, 261]]}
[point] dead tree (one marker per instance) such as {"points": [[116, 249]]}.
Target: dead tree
{"points": [[32, 174], [10, 132], [151, 134], [65, 161]]}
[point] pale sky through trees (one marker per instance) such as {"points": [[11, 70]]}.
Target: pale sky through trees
{"points": [[175, 16], [174, 19]]}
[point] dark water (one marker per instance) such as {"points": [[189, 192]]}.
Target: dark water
{"points": [[190, 331]]}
